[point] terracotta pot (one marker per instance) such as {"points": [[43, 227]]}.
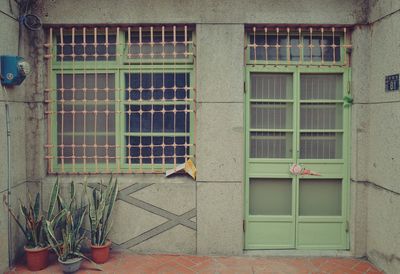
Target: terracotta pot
{"points": [[100, 253], [37, 258]]}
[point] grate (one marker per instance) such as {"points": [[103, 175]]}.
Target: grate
{"points": [[120, 99], [300, 45]]}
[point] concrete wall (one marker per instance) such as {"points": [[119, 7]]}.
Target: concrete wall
{"points": [[178, 215], [383, 166], [152, 214], [204, 11], [209, 219], [9, 42], [220, 138], [359, 141], [218, 192]]}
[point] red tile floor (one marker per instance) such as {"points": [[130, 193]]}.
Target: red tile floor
{"points": [[124, 262]]}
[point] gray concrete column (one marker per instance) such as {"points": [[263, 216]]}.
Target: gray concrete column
{"points": [[219, 154]]}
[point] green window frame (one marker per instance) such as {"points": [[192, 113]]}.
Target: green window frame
{"points": [[110, 111]]}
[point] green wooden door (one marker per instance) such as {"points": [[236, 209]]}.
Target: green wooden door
{"points": [[296, 115]]}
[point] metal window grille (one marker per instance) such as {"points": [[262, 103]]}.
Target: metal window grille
{"points": [[308, 112], [120, 99], [298, 45]]}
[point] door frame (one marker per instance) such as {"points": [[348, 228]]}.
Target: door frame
{"points": [[296, 71]]}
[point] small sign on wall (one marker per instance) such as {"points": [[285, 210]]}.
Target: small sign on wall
{"points": [[392, 82]]}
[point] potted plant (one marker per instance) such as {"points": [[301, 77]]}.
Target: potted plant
{"points": [[36, 248], [101, 202], [65, 233]]}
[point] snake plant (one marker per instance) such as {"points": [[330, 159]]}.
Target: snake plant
{"points": [[101, 202], [64, 231], [68, 245], [34, 218]]}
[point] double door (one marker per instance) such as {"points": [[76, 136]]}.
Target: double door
{"points": [[296, 116]]}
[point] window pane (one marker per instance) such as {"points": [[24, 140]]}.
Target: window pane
{"points": [[321, 87], [86, 118], [90, 86], [155, 46], [320, 197], [86, 149], [320, 145], [295, 52], [277, 45], [270, 197], [165, 115], [270, 145], [93, 49], [274, 47], [271, 86], [321, 116], [271, 115], [157, 149], [158, 118], [157, 86], [318, 49], [277, 49]]}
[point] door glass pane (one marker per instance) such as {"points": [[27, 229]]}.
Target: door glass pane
{"points": [[321, 87], [271, 115], [320, 197], [320, 145], [270, 145], [271, 86], [270, 196], [321, 116]]}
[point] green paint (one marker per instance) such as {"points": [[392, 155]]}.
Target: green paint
{"points": [[119, 67], [300, 228]]}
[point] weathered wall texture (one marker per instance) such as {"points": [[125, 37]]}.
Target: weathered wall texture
{"points": [[9, 42], [383, 166], [152, 214], [209, 220], [359, 142], [215, 201], [203, 11], [220, 139], [178, 215]]}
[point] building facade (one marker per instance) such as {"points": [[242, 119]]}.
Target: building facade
{"points": [[245, 89]]}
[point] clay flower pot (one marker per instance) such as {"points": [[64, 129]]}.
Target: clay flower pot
{"points": [[37, 258], [100, 253]]}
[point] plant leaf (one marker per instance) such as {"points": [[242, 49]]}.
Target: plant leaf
{"points": [[61, 202], [72, 195], [111, 198], [16, 220], [36, 207], [109, 226], [79, 254], [53, 198]]}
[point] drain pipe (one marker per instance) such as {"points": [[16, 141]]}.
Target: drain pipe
{"points": [[10, 248]]}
